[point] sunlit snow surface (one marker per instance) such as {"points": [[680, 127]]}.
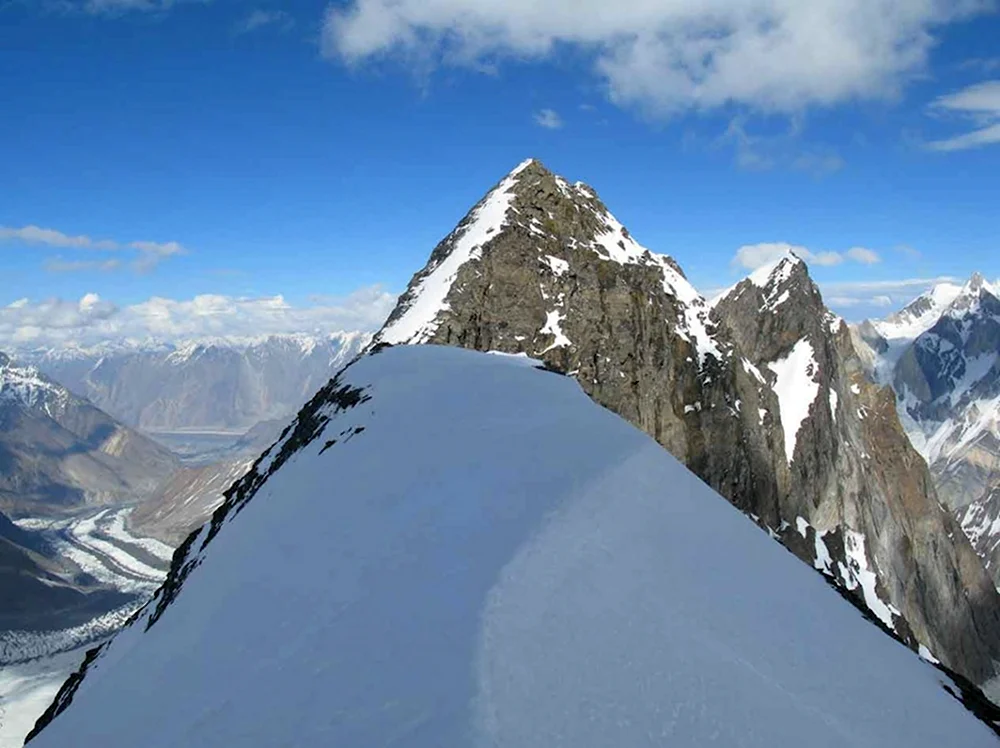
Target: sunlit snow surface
{"points": [[497, 561], [796, 388]]}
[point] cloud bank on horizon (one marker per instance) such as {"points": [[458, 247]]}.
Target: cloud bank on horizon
{"points": [[26, 324]]}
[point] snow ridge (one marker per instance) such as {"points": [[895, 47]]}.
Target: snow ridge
{"points": [[587, 585]]}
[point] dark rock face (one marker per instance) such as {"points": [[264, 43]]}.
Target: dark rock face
{"points": [[540, 267], [854, 473], [565, 282]]}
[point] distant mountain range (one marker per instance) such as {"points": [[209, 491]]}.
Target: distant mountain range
{"points": [[220, 384], [941, 354], [59, 453]]}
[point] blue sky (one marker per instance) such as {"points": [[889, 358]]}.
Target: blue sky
{"points": [[241, 151]]}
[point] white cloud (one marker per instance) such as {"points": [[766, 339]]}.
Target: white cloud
{"points": [[851, 301], [549, 119], [753, 256], [60, 265], [666, 56], [863, 255], [978, 104], [114, 7], [92, 320], [52, 238], [152, 253], [148, 254], [259, 19], [983, 64], [819, 164]]}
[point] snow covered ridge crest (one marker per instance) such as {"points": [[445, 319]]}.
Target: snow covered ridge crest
{"points": [[458, 601]]}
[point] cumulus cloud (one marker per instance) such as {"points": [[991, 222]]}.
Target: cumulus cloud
{"points": [[93, 320], [753, 256], [259, 19], [978, 105], [549, 119], [147, 254], [666, 56]]}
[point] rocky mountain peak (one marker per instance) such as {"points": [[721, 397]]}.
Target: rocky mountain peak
{"points": [[761, 394], [773, 308], [544, 231]]}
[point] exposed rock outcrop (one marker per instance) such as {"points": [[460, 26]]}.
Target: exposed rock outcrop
{"points": [[763, 397]]}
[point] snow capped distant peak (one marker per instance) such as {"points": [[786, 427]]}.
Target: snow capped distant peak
{"points": [[186, 348], [920, 315], [970, 298], [26, 386]]}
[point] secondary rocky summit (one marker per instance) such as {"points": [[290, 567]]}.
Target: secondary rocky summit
{"points": [[761, 393]]}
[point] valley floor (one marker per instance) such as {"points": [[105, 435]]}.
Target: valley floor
{"points": [[34, 664]]}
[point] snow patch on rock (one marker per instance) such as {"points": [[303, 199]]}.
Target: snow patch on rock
{"points": [[796, 387]]}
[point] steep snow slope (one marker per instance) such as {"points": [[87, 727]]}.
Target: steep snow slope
{"points": [[499, 562]]}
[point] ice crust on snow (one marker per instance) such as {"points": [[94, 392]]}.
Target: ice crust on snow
{"points": [[500, 562], [796, 388]]}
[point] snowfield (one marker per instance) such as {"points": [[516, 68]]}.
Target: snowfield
{"points": [[497, 561]]}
